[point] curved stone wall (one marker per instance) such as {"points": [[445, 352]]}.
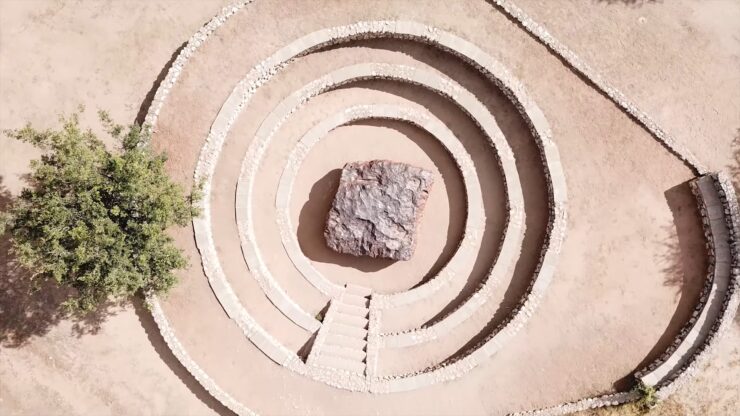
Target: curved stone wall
{"points": [[616, 96], [511, 239], [444, 87], [475, 219], [724, 223], [190, 365], [150, 122], [556, 190], [714, 312], [490, 68], [584, 404], [654, 373]]}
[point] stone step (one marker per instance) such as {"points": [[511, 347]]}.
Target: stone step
{"points": [[347, 330], [355, 300], [343, 341], [340, 363], [353, 354], [351, 320], [358, 290], [346, 309]]}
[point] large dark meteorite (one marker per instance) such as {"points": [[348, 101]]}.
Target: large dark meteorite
{"points": [[376, 209]]}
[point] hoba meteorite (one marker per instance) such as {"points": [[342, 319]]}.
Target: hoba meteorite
{"points": [[377, 208]]}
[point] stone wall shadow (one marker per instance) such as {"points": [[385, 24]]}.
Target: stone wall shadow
{"points": [[528, 163], [31, 307], [165, 353], [585, 79], [685, 267], [488, 173], [734, 170], [147, 102]]}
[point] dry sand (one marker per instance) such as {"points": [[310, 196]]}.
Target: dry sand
{"points": [[627, 276]]}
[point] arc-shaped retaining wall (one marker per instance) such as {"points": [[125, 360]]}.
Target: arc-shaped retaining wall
{"points": [[731, 214], [721, 220], [469, 53], [714, 311], [711, 302], [617, 97], [475, 222]]}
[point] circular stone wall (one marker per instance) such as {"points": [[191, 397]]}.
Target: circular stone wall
{"points": [[333, 371], [265, 127]]}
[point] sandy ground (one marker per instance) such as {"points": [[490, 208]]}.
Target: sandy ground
{"points": [[674, 59], [55, 56]]}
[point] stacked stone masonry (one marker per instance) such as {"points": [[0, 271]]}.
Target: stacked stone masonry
{"points": [[708, 288], [715, 210], [249, 326], [474, 223], [405, 30], [617, 97], [578, 406], [341, 343], [424, 120], [726, 252], [715, 310]]}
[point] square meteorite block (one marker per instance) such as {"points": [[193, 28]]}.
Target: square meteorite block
{"points": [[376, 209]]}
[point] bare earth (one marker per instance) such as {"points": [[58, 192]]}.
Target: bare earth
{"points": [[630, 269]]}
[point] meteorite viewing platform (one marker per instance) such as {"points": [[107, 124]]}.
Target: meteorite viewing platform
{"points": [[376, 209], [317, 147]]}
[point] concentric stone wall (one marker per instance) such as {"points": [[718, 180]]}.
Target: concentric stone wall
{"points": [[447, 89]]}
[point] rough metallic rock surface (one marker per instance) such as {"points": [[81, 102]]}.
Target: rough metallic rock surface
{"points": [[376, 209]]}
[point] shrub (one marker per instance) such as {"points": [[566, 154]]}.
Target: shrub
{"points": [[96, 220], [648, 397]]}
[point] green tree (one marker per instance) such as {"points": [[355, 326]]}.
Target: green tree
{"points": [[96, 220]]}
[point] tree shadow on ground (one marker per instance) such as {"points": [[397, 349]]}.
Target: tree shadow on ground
{"points": [[685, 267], [143, 314], [31, 307], [683, 257], [165, 353]]}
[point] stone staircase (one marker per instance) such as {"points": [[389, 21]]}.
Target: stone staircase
{"points": [[341, 343]]}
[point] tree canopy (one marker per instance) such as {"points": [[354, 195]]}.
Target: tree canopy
{"points": [[95, 219]]}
